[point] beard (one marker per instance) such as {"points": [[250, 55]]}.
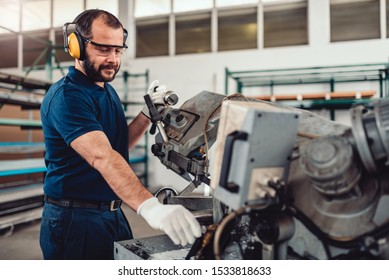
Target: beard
{"points": [[97, 74]]}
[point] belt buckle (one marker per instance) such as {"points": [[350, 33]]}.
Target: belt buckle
{"points": [[113, 206]]}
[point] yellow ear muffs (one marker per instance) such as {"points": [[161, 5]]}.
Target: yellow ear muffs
{"points": [[76, 46]]}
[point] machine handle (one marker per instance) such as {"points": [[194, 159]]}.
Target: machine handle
{"points": [[156, 118], [154, 115], [227, 156]]}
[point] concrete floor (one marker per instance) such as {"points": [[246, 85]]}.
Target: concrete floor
{"points": [[22, 243]]}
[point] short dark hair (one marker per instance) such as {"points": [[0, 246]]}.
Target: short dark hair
{"points": [[84, 21]]}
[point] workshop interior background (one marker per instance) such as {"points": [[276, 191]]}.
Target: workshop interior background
{"points": [[259, 48]]}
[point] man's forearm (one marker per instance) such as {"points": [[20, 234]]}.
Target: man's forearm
{"points": [[95, 148], [122, 179]]}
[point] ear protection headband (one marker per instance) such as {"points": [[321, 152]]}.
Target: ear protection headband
{"points": [[74, 43]]}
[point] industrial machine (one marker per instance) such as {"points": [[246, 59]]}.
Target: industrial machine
{"points": [[287, 183]]}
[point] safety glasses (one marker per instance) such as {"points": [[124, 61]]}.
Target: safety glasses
{"points": [[106, 50]]}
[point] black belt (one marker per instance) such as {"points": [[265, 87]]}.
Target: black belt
{"points": [[112, 205]]}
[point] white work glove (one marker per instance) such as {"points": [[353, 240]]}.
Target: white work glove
{"points": [[175, 220], [157, 93]]}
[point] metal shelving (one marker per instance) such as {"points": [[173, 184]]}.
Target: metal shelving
{"points": [[328, 75], [21, 179]]}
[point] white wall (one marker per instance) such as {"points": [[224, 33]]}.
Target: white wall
{"points": [[189, 74]]}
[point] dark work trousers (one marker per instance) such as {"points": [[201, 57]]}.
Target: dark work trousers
{"points": [[81, 233]]}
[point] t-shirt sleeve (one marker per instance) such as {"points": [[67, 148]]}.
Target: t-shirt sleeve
{"points": [[72, 114]]}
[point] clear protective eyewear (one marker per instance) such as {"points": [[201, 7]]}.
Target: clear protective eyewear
{"points": [[106, 50]]}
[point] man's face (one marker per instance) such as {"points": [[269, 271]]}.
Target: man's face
{"points": [[101, 63], [100, 71]]}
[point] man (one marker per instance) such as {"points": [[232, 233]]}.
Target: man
{"points": [[87, 141]]}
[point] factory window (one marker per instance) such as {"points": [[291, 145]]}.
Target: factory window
{"points": [[226, 3], [152, 37], [193, 33], [145, 8], [110, 6], [9, 19], [36, 48], [285, 23], [237, 29], [387, 18], [9, 50], [62, 13], [354, 20], [32, 11], [185, 5]]}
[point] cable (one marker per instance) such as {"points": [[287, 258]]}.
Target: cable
{"points": [[230, 217], [308, 135], [233, 96]]}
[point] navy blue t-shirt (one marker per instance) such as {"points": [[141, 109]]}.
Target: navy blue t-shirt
{"points": [[72, 107]]}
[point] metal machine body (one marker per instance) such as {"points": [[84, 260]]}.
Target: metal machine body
{"points": [[333, 203], [189, 130], [256, 149], [288, 184]]}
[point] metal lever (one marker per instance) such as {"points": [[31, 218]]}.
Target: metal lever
{"points": [[155, 117]]}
